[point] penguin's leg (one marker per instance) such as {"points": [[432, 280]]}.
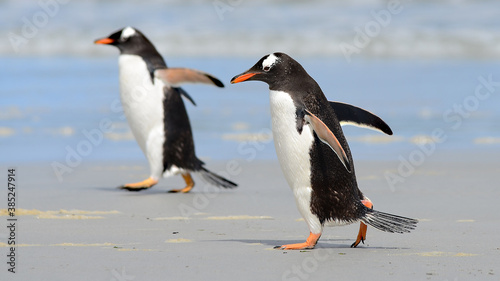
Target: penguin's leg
{"points": [[303, 201], [153, 149], [362, 226], [189, 184]]}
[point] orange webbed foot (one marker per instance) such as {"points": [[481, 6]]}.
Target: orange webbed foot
{"points": [[189, 184], [138, 186], [362, 226], [309, 244]]}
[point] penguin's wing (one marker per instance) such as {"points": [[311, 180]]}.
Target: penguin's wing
{"points": [[327, 137], [352, 115], [185, 94], [176, 76]]}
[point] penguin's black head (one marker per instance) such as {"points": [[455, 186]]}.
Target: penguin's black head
{"points": [[274, 69], [129, 40]]}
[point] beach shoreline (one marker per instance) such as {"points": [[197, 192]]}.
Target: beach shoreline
{"points": [[85, 228]]}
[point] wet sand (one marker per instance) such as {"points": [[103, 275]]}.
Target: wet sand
{"points": [[85, 229]]}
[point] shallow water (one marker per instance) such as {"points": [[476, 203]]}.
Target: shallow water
{"points": [[69, 95]]}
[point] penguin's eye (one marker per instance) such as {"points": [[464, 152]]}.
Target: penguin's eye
{"points": [[267, 68]]}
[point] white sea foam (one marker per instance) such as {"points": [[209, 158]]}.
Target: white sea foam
{"points": [[423, 29]]}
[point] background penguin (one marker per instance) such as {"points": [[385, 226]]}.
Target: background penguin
{"points": [[313, 152], [151, 99]]}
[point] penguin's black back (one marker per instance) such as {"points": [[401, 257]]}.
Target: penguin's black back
{"points": [[178, 148], [335, 194]]}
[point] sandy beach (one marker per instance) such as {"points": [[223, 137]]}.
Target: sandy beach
{"points": [[85, 229]]}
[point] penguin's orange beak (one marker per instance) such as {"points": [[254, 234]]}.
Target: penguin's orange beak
{"points": [[242, 77], [105, 41]]}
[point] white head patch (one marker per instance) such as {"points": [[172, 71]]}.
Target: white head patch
{"points": [[269, 61], [127, 32]]}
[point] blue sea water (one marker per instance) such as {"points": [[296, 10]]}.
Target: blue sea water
{"points": [[419, 73]]}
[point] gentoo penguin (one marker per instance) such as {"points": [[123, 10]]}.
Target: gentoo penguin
{"points": [[151, 99], [313, 152]]}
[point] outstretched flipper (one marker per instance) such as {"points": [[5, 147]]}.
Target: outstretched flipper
{"points": [[174, 77], [351, 115], [177, 76], [327, 137]]}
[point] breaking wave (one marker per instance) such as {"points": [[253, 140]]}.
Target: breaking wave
{"points": [[362, 28]]}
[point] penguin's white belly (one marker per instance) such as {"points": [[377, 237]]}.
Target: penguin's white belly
{"points": [[143, 106], [292, 148], [293, 151]]}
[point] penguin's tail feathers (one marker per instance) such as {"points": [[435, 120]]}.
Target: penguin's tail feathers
{"points": [[388, 222], [215, 179]]}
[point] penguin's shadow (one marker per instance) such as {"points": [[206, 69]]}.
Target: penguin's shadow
{"points": [[322, 244], [149, 191]]}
